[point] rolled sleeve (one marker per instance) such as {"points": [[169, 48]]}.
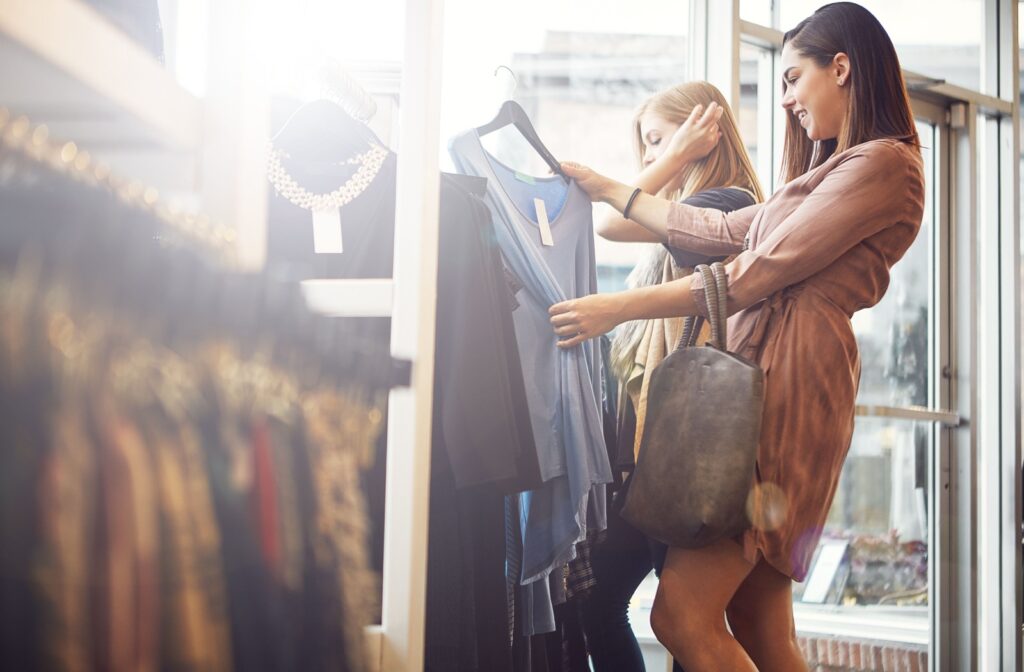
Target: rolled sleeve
{"points": [[865, 193], [708, 231]]}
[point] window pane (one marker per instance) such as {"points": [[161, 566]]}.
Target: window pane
{"points": [[937, 38], [579, 74], [894, 336], [757, 11], [300, 41], [869, 581], [757, 113], [871, 565]]}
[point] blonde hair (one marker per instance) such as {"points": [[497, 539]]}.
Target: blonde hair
{"points": [[727, 165]]}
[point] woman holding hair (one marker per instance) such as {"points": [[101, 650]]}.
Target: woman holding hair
{"points": [[703, 165], [817, 251]]}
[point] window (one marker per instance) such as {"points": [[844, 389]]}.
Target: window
{"points": [[757, 11], [759, 111], [873, 560], [937, 38]]}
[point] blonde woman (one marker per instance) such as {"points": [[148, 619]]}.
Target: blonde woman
{"points": [[689, 150]]}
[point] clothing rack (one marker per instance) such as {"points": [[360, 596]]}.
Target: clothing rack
{"points": [[33, 141], [210, 150], [82, 77]]}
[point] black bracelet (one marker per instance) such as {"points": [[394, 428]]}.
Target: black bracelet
{"points": [[629, 203]]}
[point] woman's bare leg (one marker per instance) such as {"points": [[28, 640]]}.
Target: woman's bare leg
{"points": [[688, 618], [761, 617]]}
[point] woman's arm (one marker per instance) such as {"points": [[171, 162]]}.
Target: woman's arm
{"points": [[692, 141], [649, 212], [701, 230], [579, 319], [872, 189]]}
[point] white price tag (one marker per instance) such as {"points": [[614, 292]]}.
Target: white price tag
{"points": [[327, 231], [542, 222]]}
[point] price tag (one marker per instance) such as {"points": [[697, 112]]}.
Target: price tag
{"points": [[327, 231], [542, 222]]}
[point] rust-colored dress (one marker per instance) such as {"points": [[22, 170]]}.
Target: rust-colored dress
{"points": [[820, 249]]}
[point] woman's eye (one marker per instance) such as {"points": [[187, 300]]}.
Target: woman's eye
{"points": [[655, 142]]}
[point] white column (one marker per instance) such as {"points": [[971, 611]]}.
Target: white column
{"points": [[415, 287], [236, 126]]}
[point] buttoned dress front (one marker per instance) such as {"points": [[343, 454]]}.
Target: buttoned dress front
{"points": [[818, 250]]}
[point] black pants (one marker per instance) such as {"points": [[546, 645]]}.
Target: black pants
{"points": [[621, 563]]}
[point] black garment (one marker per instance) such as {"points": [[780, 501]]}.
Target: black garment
{"points": [[563, 650], [482, 442], [25, 434], [621, 563], [254, 609], [725, 199], [480, 399], [367, 222]]}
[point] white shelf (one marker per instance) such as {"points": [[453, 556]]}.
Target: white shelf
{"points": [[350, 298], [64, 65]]}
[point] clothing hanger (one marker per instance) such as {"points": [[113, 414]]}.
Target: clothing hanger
{"points": [[341, 87], [322, 130], [512, 114]]}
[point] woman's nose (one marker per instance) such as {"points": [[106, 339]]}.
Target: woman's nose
{"points": [[788, 100]]}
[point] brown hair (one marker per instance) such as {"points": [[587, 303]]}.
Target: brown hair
{"points": [[878, 106], [727, 165]]}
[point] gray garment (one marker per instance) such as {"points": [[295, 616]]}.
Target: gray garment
{"points": [[563, 387]]}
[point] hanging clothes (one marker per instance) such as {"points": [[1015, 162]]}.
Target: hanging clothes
{"points": [[482, 440], [563, 386], [480, 401], [180, 472]]}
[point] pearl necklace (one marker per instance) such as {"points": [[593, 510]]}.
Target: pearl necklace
{"points": [[285, 185], [326, 208]]}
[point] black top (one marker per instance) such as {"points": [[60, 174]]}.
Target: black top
{"points": [[367, 224], [725, 199]]}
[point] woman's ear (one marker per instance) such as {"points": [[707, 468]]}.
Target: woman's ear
{"points": [[841, 68]]}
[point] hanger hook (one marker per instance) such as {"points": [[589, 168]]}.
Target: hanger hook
{"points": [[515, 81]]}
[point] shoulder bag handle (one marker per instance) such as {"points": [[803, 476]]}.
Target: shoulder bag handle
{"points": [[715, 291]]}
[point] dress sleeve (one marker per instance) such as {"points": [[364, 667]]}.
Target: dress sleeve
{"points": [[709, 231], [726, 200], [863, 194]]}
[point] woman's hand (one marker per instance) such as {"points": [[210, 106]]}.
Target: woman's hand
{"points": [[697, 136], [596, 185], [580, 319]]}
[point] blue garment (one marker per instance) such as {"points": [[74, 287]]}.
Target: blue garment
{"points": [[563, 387]]}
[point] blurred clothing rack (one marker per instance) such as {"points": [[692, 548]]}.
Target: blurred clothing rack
{"points": [[33, 141]]}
